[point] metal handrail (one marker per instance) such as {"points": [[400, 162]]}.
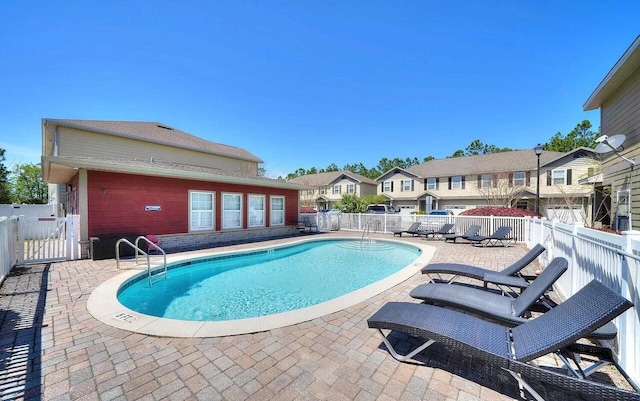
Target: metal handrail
{"points": [[139, 251], [364, 232]]}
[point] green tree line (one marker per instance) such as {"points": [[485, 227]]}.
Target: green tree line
{"points": [[581, 135], [22, 184]]}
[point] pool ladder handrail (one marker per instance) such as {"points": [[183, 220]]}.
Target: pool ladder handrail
{"points": [[139, 251], [365, 232]]}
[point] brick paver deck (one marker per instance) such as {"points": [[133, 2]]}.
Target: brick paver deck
{"points": [[51, 348]]}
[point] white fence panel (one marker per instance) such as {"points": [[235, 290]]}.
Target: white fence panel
{"points": [[47, 239], [612, 259], [8, 245]]}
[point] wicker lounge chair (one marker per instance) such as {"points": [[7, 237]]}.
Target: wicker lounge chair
{"points": [[515, 349], [510, 275], [500, 236], [445, 229], [471, 232], [414, 229], [506, 310], [491, 304]]}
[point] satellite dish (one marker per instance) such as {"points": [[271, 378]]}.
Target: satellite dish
{"points": [[607, 144]]}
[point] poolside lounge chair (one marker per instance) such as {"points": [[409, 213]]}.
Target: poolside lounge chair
{"points": [[471, 232], [445, 229], [515, 349], [414, 229], [308, 224], [490, 304], [504, 309], [501, 235], [509, 276]]}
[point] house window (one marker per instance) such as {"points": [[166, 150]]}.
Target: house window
{"points": [[351, 188], [323, 190], [310, 192], [519, 179], [407, 185], [456, 182], [432, 184], [485, 181], [559, 177], [256, 210], [387, 186], [277, 211], [231, 211], [337, 189], [201, 210]]}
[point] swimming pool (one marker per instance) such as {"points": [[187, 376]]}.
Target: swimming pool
{"points": [[266, 282], [104, 305]]}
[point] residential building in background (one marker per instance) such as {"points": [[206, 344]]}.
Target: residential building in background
{"points": [[618, 98], [325, 190]]}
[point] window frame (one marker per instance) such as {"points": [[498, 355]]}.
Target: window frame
{"points": [[274, 212], [226, 212], [515, 179], [336, 190], [251, 211], [212, 211], [435, 184], [351, 188], [484, 183], [564, 176], [404, 187], [387, 186], [454, 182]]}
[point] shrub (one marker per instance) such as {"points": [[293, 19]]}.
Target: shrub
{"points": [[500, 211]]}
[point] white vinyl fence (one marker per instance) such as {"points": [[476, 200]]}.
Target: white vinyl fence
{"points": [[8, 245], [388, 223], [611, 259], [46, 239]]}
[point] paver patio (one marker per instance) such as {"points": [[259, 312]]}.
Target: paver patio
{"points": [[51, 348]]}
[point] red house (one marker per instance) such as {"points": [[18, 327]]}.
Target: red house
{"points": [[140, 178]]}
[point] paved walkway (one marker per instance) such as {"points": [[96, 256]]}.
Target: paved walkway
{"points": [[51, 348]]}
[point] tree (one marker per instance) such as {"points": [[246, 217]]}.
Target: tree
{"points": [[28, 186], [350, 203], [476, 147], [581, 135], [5, 190]]}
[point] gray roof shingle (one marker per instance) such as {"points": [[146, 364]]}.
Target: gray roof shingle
{"points": [[319, 179], [518, 160], [158, 133]]}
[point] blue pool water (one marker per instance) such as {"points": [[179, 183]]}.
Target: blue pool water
{"points": [[266, 282]]}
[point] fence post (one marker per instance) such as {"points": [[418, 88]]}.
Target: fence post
{"points": [[628, 321], [574, 258]]}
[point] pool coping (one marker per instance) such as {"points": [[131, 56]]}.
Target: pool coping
{"points": [[103, 304]]}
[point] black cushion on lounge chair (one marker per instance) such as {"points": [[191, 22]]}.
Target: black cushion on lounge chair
{"points": [[478, 273], [471, 232], [501, 235], [445, 229], [513, 348], [489, 304], [414, 229], [505, 310]]}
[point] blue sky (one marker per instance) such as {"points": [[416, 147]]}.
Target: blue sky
{"points": [[310, 83]]}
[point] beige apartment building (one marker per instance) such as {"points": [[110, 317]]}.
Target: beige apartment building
{"points": [[326, 189], [497, 179], [618, 98]]}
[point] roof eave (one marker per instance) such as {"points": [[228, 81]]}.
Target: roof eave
{"points": [[152, 170], [626, 65]]}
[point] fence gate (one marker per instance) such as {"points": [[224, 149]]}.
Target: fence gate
{"points": [[46, 239]]}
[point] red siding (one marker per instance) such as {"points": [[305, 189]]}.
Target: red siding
{"points": [[117, 203]]}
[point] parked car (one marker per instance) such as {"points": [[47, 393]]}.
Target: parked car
{"points": [[379, 208]]}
